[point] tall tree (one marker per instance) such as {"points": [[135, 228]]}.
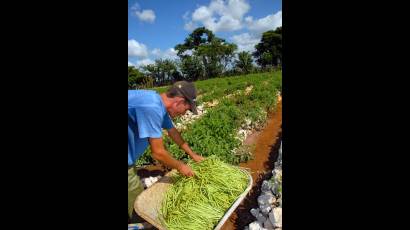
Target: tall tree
{"points": [[133, 77], [191, 67], [244, 62], [163, 71], [269, 49], [213, 52], [137, 79], [153, 71]]}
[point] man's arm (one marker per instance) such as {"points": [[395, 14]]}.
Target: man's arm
{"points": [[177, 138], [162, 155]]}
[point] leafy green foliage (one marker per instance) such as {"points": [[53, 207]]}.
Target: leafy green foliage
{"points": [[216, 131], [244, 62], [137, 79], [269, 50], [213, 53]]}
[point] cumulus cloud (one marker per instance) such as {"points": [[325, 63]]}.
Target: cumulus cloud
{"points": [[156, 52], [146, 15], [246, 41], [170, 53], [137, 49], [201, 14], [269, 22], [219, 15], [190, 26], [144, 62]]}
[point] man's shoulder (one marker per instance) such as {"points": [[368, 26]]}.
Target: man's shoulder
{"points": [[143, 96], [142, 92], [145, 99]]}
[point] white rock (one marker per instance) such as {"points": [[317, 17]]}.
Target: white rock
{"points": [[154, 179], [271, 218], [275, 217], [261, 218], [265, 199], [268, 192], [242, 132], [271, 200], [145, 181], [265, 209], [149, 181], [278, 178], [268, 225], [255, 212], [275, 189], [278, 173], [256, 226], [266, 186]]}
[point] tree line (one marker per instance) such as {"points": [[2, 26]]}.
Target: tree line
{"points": [[202, 55]]}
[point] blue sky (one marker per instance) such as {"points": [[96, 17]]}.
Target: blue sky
{"points": [[156, 26]]}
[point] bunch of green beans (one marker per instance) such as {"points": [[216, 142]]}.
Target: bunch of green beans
{"points": [[200, 202]]}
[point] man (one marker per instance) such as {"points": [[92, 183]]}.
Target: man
{"points": [[148, 113]]}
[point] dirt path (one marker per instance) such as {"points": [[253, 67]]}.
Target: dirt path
{"points": [[267, 144]]}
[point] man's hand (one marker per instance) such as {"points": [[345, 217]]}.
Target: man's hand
{"points": [[185, 170], [197, 158]]}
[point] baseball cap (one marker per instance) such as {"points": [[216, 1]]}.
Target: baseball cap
{"points": [[188, 90]]}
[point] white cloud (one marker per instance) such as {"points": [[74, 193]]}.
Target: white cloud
{"points": [[227, 23], [246, 41], [228, 15], [201, 14], [234, 8], [219, 15], [144, 62], [156, 52], [145, 56], [249, 19], [135, 7], [188, 52], [170, 53], [217, 6], [189, 26], [269, 22], [146, 15], [238, 8], [137, 49]]}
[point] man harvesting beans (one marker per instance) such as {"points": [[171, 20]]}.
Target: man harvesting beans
{"points": [[149, 113]]}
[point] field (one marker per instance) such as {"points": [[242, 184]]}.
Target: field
{"points": [[239, 121], [229, 109]]}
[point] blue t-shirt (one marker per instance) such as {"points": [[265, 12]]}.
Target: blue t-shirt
{"points": [[146, 118]]}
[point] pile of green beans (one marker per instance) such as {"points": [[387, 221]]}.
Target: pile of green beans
{"points": [[200, 202]]}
